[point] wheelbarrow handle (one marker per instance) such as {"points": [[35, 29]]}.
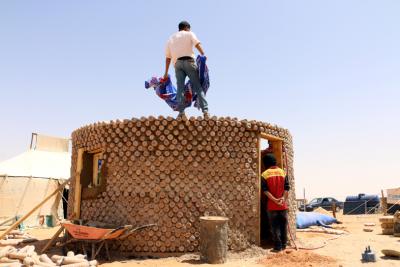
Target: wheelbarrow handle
{"points": [[126, 228], [130, 232]]}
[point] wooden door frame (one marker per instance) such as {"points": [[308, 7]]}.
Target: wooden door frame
{"points": [[277, 148]]}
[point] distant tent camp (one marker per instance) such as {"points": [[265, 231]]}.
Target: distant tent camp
{"points": [[28, 178]]}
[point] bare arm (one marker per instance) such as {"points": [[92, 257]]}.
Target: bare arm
{"points": [[198, 46], [285, 195], [271, 197], [167, 63]]}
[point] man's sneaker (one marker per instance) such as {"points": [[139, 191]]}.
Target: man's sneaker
{"points": [[206, 115], [181, 116]]}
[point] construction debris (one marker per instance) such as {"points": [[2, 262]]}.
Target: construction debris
{"points": [[368, 255], [396, 224], [391, 253], [387, 224], [16, 237], [26, 256]]}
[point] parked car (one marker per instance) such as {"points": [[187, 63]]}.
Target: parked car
{"points": [[325, 203]]}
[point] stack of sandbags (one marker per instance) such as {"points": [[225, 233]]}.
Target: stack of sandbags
{"points": [[387, 224], [16, 237], [26, 256]]}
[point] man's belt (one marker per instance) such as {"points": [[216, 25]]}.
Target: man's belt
{"points": [[185, 58]]}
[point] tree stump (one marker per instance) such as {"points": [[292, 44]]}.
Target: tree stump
{"points": [[213, 239]]}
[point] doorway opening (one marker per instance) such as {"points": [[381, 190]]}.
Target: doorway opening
{"points": [[267, 144]]}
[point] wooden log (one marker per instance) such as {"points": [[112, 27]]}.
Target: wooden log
{"points": [[29, 261], [14, 264], [82, 264], [45, 259], [61, 260], [17, 255], [213, 239], [55, 236]]}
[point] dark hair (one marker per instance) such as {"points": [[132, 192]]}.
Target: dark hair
{"points": [[269, 160], [183, 25]]}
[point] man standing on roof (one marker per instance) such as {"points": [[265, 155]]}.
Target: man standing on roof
{"points": [[276, 187], [179, 50]]}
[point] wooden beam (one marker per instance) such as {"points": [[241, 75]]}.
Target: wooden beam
{"points": [[270, 137], [23, 218], [51, 241], [97, 150], [258, 237], [78, 186]]}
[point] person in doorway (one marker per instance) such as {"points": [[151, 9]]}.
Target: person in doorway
{"points": [[276, 187], [179, 50]]}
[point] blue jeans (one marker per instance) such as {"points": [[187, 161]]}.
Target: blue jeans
{"points": [[189, 68]]}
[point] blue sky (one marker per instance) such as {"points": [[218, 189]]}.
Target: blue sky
{"points": [[326, 70]]}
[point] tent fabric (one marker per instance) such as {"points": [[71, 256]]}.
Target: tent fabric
{"points": [[25, 180], [50, 143], [18, 195], [35, 163]]}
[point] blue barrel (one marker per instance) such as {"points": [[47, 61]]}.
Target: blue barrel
{"points": [[352, 198], [361, 204]]}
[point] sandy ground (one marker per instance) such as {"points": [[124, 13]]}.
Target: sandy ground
{"points": [[347, 249], [335, 250]]}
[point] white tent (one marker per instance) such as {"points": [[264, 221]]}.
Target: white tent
{"points": [[28, 178]]}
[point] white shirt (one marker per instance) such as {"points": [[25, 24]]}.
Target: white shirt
{"points": [[181, 44]]}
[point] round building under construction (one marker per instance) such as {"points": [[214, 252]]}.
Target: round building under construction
{"points": [[170, 172]]}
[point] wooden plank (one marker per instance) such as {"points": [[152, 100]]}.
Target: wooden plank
{"points": [[277, 149], [51, 241], [97, 150], [258, 237], [270, 137], [23, 218], [78, 186]]}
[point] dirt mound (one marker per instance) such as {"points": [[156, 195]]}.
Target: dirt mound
{"points": [[297, 259]]}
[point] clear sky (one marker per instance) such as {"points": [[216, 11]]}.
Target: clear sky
{"points": [[326, 70]]}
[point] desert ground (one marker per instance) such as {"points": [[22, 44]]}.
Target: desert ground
{"points": [[316, 249]]}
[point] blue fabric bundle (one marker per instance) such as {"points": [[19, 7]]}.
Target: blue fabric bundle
{"points": [[167, 91], [204, 78], [307, 219]]}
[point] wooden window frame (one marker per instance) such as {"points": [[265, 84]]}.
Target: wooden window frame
{"points": [[94, 188]]}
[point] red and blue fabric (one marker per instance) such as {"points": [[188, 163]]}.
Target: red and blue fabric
{"points": [[166, 90]]}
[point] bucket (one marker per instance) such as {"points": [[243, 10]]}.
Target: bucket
{"points": [[49, 221]]}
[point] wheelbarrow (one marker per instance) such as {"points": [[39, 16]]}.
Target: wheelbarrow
{"points": [[82, 235]]}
